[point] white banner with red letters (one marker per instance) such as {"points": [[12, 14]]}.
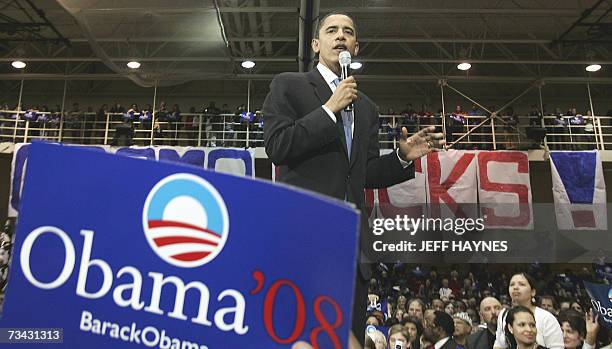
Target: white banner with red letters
{"points": [[504, 189]]}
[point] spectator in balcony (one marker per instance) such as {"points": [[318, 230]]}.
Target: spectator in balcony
{"points": [[560, 130], [214, 123], [576, 128], [54, 120], [99, 124], [589, 131], [117, 110], [124, 132], [31, 115], [174, 119], [5, 123], [160, 122], [511, 128], [257, 129], [89, 118], [239, 126], [43, 118], [194, 126], [132, 113], [228, 129], [476, 116], [72, 125], [145, 118], [456, 121], [425, 116], [535, 117], [101, 115], [409, 120]]}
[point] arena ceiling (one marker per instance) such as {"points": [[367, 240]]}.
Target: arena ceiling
{"points": [[506, 41]]}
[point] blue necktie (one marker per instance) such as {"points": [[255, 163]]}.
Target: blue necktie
{"points": [[347, 123]]}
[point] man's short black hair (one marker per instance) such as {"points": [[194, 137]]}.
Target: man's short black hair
{"points": [[444, 321], [322, 20]]}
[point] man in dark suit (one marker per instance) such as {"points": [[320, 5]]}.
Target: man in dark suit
{"points": [[318, 146], [485, 338], [438, 327]]}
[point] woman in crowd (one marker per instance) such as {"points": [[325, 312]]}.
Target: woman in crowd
{"points": [[399, 337], [522, 292], [520, 329], [573, 327], [415, 330], [401, 303]]}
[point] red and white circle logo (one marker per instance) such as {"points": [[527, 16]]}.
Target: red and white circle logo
{"points": [[185, 220]]}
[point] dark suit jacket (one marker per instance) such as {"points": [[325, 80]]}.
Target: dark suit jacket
{"points": [[479, 340], [450, 344], [310, 149]]}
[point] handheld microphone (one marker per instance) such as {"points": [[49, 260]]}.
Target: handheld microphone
{"points": [[345, 61]]}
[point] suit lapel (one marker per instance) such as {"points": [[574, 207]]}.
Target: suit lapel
{"points": [[323, 92]]}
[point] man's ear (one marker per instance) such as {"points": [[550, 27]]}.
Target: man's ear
{"points": [[315, 45], [356, 48]]}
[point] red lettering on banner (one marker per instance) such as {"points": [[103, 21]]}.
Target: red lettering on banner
{"points": [[521, 190], [438, 191]]}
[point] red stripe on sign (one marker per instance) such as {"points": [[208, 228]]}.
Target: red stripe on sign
{"points": [[161, 223], [191, 256], [170, 240]]}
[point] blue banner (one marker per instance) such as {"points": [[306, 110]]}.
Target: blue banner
{"points": [[601, 300], [240, 162], [122, 252]]}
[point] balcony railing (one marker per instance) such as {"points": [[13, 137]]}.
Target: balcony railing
{"points": [[467, 132]]}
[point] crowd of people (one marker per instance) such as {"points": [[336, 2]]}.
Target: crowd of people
{"points": [[566, 130], [169, 126], [571, 130], [474, 307]]}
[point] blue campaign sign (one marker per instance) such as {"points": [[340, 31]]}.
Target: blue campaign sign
{"points": [[601, 300], [122, 252]]}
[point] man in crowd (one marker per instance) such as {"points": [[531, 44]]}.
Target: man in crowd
{"points": [[437, 304], [485, 338], [549, 304], [415, 308], [438, 328], [463, 328]]}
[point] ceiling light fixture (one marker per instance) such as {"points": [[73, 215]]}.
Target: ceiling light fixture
{"points": [[133, 65], [593, 68], [247, 64], [464, 66], [18, 64]]}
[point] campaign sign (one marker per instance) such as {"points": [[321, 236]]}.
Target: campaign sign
{"points": [[121, 252], [601, 300]]}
